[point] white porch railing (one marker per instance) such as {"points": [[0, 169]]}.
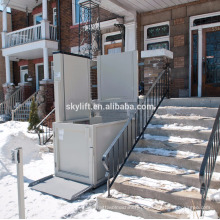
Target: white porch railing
{"points": [[53, 32], [28, 35]]}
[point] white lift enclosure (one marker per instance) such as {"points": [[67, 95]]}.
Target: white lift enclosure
{"points": [[79, 139]]}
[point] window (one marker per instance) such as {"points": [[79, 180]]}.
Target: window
{"points": [[55, 16], [157, 36], [207, 20], [76, 9], [38, 18], [23, 74], [112, 43]]}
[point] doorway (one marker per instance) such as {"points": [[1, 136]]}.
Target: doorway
{"points": [[23, 74], [39, 69], [205, 55]]}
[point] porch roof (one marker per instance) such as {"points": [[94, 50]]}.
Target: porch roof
{"points": [[21, 5], [130, 7]]}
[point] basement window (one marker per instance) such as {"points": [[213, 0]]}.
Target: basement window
{"points": [[157, 36]]}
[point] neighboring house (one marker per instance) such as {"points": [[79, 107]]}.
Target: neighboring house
{"points": [[189, 28], [2, 60]]}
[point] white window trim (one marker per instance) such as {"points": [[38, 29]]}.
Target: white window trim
{"points": [[36, 16], [37, 75], [156, 39], [54, 14], [73, 12], [199, 28], [52, 70], [26, 70], [104, 36]]}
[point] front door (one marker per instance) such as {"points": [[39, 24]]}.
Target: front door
{"points": [[211, 62], [39, 74]]}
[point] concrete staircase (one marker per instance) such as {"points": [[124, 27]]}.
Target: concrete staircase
{"points": [[161, 177]]}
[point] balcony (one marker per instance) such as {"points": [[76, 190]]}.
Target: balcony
{"points": [[28, 35], [28, 43]]}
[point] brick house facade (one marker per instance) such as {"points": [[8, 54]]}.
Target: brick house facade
{"points": [[177, 17]]}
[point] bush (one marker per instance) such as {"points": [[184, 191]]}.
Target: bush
{"points": [[33, 117]]}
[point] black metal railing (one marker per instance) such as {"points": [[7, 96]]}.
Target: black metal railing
{"points": [[209, 160], [45, 128], [119, 151], [2, 97]]}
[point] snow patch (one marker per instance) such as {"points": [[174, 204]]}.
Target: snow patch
{"points": [[159, 184], [174, 139], [163, 168], [179, 127], [168, 153]]}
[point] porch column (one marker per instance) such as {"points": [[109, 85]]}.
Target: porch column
{"points": [[44, 3], [45, 25], [46, 64], [200, 63], [7, 69], [4, 26], [130, 36]]}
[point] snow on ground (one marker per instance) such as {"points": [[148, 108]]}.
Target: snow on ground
{"points": [[159, 184], [179, 127], [174, 139], [168, 153], [163, 168], [38, 164]]}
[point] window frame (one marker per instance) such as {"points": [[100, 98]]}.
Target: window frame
{"points": [[156, 39], [36, 16], [54, 16], [74, 12]]}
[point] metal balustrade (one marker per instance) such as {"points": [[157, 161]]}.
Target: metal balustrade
{"points": [[11, 103], [209, 160], [1, 96], [45, 128], [21, 113], [119, 151], [28, 35]]}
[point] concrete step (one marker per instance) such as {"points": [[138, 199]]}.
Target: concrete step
{"points": [[188, 111], [178, 131], [166, 172], [211, 102], [191, 164], [198, 147], [167, 191], [183, 120], [140, 207]]}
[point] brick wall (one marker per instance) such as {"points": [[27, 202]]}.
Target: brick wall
{"points": [[179, 37]]}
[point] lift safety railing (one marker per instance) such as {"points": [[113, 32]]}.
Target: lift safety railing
{"points": [[45, 128], [209, 161], [120, 149]]}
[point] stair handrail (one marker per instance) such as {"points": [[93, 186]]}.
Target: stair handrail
{"points": [[9, 104], [23, 104], [49, 131], [209, 160], [161, 88]]}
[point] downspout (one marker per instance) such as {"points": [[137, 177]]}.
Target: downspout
{"points": [[59, 27]]}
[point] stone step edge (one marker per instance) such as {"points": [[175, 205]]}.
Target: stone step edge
{"points": [[115, 205]]}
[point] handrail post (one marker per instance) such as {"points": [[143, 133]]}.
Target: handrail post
{"points": [[13, 115], [108, 184], [168, 75]]}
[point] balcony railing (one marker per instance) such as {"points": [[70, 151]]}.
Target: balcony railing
{"points": [[28, 35]]}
